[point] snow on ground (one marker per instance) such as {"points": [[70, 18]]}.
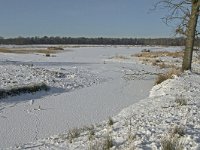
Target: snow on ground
{"points": [[146, 124], [170, 113], [67, 79], [109, 86]]}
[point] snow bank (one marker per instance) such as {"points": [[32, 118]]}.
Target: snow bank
{"points": [[145, 124]]}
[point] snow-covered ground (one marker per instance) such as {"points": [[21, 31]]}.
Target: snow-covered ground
{"points": [[89, 84], [145, 125]]}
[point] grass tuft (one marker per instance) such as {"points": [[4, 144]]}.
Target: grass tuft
{"points": [[73, 133], [178, 130], [172, 140], [107, 143], [181, 101], [155, 54]]}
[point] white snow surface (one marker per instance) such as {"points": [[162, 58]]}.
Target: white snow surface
{"points": [[151, 120], [86, 88]]}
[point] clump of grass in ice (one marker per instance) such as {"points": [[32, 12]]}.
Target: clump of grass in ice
{"points": [[13, 91]]}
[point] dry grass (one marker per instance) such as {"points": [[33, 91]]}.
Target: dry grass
{"points": [[171, 143], [168, 75], [156, 54], [154, 58], [119, 57], [28, 50], [55, 48], [162, 65], [172, 139]]}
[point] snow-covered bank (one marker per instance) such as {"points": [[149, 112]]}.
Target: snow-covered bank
{"points": [[146, 124]]}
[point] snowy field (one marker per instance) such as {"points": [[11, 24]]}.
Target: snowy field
{"points": [[89, 85]]}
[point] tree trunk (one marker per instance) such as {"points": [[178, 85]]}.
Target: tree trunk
{"points": [[187, 58]]}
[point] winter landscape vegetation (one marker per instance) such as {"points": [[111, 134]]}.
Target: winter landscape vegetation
{"points": [[100, 93]]}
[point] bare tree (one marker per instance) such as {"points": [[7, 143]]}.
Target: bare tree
{"points": [[186, 13]]}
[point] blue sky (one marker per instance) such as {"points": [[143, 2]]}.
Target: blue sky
{"points": [[78, 18]]}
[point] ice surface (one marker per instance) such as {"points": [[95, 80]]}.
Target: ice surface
{"points": [[86, 87]]}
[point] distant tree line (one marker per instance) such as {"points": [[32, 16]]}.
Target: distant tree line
{"points": [[96, 41]]}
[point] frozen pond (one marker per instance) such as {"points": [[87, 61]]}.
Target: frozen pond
{"points": [[102, 90]]}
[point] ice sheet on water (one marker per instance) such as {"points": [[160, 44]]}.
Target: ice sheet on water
{"points": [[68, 79]]}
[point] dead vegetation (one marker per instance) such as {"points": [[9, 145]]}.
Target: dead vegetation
{"points": [[171, 141], [55, 48], [168, 75], [155, 58], [119, 57], [155, 54]]}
